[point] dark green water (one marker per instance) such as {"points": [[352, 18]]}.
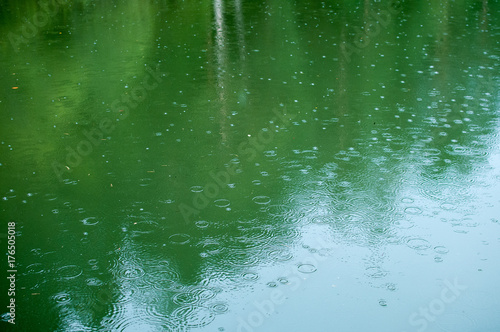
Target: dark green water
{"points": [[251, 165]]}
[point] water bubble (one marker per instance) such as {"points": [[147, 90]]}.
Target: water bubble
{"points": [[382, 303]]}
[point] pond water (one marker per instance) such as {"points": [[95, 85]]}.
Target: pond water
{"points": [[251, 165]]}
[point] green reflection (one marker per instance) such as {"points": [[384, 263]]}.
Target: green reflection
{"points": [[148, 163]]}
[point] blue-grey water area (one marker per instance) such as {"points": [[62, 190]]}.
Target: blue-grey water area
{"points": [[250, 165]]}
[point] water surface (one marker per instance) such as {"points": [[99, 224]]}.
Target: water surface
{"points": [[251, 165]]}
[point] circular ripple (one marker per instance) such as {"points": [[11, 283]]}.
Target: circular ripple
{"points": [[211, 247], [62, 298], [69, 271], [204, 293], [35, 268], [92, 261], [130, 272], [407, 200], [306, 268], [202, 224], [403, 224], [219, 308], [441, 250], [194, 316], [145, 182], [196, 189], [179, 238], [222, 202], [90, 221], [252, 237], [418, 244], [186, 298], [242, 258], [165, 280], [375, 272], [250, 276], [390, 286], [323, 219], [5, 317], [413, 210], [278, 210], [144, 320], [143, 227], [262, 200], [280, 255]]}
